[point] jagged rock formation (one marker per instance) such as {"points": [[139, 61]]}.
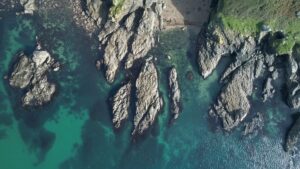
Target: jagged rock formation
{"points": [[174, 93], [213, 44], [121, 102], [149, 101], [29, 74], [129, 35], [293, 137], [233, 105]]}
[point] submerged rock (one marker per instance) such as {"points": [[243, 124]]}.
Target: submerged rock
{"points": [[121, 102], [174, 93], [129, 35], [256, 123], [149, 101], [268, 91], [30, 74], [293, 137]]}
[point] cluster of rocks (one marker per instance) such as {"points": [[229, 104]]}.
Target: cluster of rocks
{"points": [[174, 93], [148, 100], [232, 105], [30, 75], [250, 62], [129, 35]]}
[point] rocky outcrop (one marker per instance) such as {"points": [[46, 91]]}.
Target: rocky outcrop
{"points": [[148, 99], [129, 35], [121, 102], [213, 44], [30, 74], [174, 94], [233, 105], [293, 137]]}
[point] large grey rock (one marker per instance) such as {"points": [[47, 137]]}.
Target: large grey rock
{"points": [[121, 102], [232, 105], [41, 93], [30, 74], [22, 73], [149, 101], [174, 93], [130, 35]]}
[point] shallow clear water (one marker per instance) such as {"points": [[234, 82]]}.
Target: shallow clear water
{"points": [[75, 131]]}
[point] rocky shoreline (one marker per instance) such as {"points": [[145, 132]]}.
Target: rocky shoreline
{"points": [[127, 32]]}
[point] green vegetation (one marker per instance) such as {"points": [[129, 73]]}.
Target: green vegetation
{"points": [[116, 8], [248, 16]]}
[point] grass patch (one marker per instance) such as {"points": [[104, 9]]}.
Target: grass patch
{"points": [[116, 8], [247, 17]]}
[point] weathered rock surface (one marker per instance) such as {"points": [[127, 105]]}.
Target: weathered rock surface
{"points": [[233, 105], [29, 74], [213, 44], [121, 102], [293, 137], [94, 9], [129, 35], [256, 124], [149, 101], [174, 93], [29, 6]]}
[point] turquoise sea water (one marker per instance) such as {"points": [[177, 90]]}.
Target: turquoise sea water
{"points": [[75, 131]]}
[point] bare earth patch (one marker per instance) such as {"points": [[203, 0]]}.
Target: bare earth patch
{"points": [[186, 13]]}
